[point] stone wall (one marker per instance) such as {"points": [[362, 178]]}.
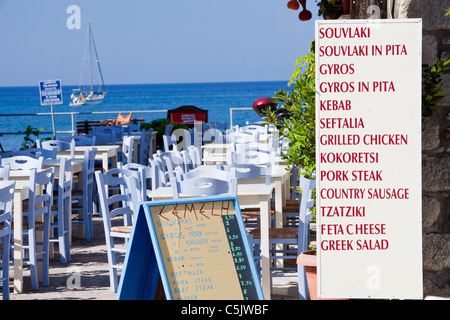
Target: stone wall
{"points": [[435, 149], [435, 142]]}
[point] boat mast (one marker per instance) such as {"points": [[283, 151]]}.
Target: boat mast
{"points": [[96, 56], [90, 56]]}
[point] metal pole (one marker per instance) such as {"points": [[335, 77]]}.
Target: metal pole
{"points": [[53, 123]]}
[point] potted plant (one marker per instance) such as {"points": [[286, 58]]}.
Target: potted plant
{"points": [[300, 128], [333, 9]]}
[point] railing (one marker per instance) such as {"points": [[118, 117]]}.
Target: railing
{"points": [[74, 116], [231, 114]]}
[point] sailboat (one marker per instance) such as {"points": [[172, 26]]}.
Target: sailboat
{"points": [[88, 93]]}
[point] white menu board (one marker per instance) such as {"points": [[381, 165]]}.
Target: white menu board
{"points": [[368, 142]]}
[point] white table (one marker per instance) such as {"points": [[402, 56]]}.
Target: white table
{"points": [[249, 195], [22, 178], [280, 178], [104, 153]]}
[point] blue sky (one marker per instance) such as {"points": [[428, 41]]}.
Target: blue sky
{"points": [[153, 41]]}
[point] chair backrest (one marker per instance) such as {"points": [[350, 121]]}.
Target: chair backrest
{"points": [[145, 173], [4, 172], [250, 157], [213, 135], [240, 137], [40, 193], [203, 186], [248, 171], [128, 149], [65, 180], [169, 160], [6, 207], [254, 128], [195, 155], [222, 126], [306, 186], [119, 203], [59, 145], [168, 129], [208, 171], [168, 142], [103, 138], [47, 154], [88, 173], [123, 119], [146, 146], [22, 162], [25, 152], [129, 127], [109, 134], [161, 178], [81, 140]]}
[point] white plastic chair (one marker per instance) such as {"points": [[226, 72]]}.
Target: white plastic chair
{"points": [[120, 203], [6, 208]]}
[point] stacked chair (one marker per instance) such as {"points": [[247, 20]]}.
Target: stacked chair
{"points": [[294, 240], [6, 205], [83, 193], [117, 206]]}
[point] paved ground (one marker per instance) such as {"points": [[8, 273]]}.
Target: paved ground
{"points": [[86, 276]]}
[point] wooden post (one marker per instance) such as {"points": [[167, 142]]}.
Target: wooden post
{"points": [[368, 9]]}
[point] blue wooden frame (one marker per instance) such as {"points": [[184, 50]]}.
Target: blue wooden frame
{"points": [[143, 265]]}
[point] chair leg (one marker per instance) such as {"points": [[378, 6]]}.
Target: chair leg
{"points": [[45, 249], [113, 277], [87, 216], [66, 226], [5, 269], [61, 240], [32, 259]]}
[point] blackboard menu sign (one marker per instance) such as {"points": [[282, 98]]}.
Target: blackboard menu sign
{"points": [[197, 246]]}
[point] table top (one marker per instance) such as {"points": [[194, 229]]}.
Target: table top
{"points": [[247, 189]]}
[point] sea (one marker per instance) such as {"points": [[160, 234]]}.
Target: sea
{"points": [[217, 98]]}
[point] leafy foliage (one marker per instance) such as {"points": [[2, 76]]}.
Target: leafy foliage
{"points": [[330, 8], [299, 128], [432, 92], [28, 142], [159, 125]]}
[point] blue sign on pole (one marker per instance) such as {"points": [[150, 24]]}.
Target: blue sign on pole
{"points": [[50, 92]]}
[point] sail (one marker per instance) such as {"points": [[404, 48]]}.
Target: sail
{"points": [[92, 89]]}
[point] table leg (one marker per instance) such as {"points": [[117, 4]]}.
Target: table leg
{"points": [[266, 280], [18, 242]]}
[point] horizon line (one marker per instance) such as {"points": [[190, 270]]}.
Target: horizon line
{"points": [[152, 83]]}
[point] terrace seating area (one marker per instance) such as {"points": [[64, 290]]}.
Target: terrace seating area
{"points": [[120, 162]]}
